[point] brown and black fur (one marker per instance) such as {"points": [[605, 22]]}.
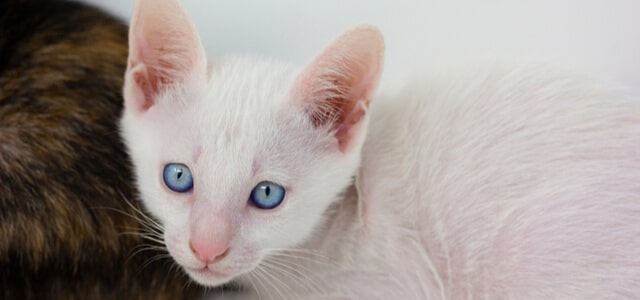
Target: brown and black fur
{"points": [[64, 173]]}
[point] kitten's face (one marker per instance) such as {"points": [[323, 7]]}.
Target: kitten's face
{"points": [[242, 159], [232, 135]]}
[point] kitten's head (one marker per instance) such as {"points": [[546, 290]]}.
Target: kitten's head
{"points": [[241, 158]]}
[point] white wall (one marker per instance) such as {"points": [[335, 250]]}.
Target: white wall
{"points": [[601, 36]]}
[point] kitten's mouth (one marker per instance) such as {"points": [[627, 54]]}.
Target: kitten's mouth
{"points": [[208, 276], [208, 272]]}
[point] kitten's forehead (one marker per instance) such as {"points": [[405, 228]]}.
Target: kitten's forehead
{"points": [[241, 107], [242, 87]]}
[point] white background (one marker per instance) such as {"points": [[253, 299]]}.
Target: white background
{"points": [[600, 36]]}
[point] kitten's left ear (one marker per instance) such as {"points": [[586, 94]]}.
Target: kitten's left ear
{"points": [[164, 51], [336, 87]]}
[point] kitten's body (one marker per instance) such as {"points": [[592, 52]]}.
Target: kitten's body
{"points": [[66, 229], [494, 182]]}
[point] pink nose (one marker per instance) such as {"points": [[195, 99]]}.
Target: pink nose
{"points": [[208, 252]]}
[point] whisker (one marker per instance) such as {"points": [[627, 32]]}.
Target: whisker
{"points": [[295, 279], [146, 223], [306, 281], [289, 261], [140, 212], [298, 250], [283, 284], [175, 267], [142, 248], [262, 273], [146, 236], [257, 277], [145, 247], [253, 285], [155, 258], [318, 259], [143, 231], [188, 282]]}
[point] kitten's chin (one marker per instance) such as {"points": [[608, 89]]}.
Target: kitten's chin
{"points": [[208, 277]]}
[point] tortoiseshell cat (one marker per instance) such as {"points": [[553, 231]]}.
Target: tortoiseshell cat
{"points": [[65, 178]]}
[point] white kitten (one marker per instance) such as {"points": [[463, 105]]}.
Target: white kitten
{"points": [[494, 182]]}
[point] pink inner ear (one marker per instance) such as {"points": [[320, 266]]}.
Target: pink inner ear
{"points": [[164, 49], [143, 88], [350, 126], [336, 87]]}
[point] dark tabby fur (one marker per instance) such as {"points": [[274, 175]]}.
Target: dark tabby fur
{"points": [[63, 172]]}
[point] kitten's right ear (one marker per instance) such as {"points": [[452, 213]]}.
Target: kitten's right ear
{"points": [[336, 87], [164, 50]]}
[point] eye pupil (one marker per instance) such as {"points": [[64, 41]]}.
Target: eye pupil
{"points": [[267, 191]]}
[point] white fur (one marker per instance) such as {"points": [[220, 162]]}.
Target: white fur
{"points": [[488, 182], [500, 182]]}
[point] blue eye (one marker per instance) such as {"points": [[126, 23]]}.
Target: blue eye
{"points": [[267, 195], [178, 177]]}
